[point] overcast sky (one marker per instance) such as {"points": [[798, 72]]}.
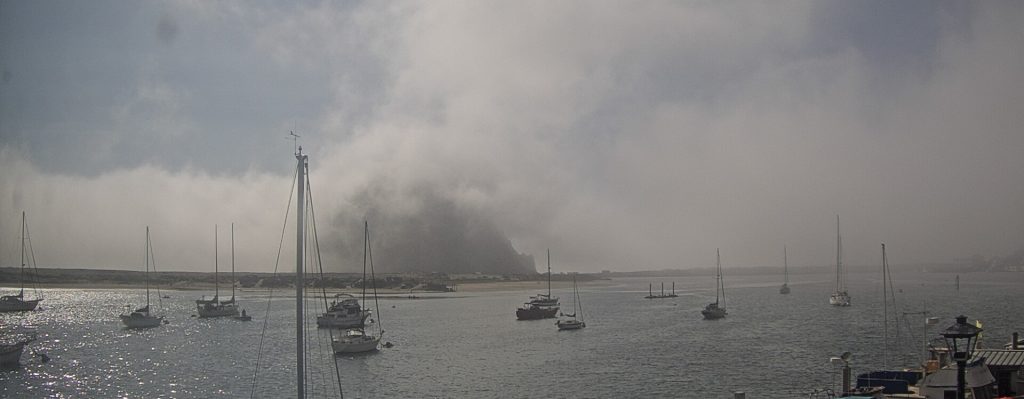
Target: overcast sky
{"points": [[622, 135]]}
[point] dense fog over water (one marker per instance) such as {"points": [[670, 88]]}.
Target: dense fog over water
{"points": [[475, 135]]}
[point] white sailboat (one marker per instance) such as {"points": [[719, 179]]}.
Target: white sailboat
{"points": [[361, 339], [574, 320], [716, 310], [785, 272], [215, 307], [840, 297], [142, 317], [18, 303]]}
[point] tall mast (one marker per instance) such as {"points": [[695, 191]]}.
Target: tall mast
{"points": [[885, 311], [549, 273], [22, 294], [147, 268], [785, 265], [233, 261], [299, 255], [216, 283], [366, 247], [718, 277], [839, 256]]}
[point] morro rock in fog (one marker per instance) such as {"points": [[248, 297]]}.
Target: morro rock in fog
{"points": [[427, 233]]}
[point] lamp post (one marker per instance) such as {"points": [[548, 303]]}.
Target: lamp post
{"points": [[960, 339], [843, 360]]}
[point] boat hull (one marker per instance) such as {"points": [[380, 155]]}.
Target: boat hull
{"points": [[329, 320], [141, 321], [536, 313], [211, 310], [355, 344], [570, 325], [18, 305], [784, 289], [10, 355], [839, 299]]}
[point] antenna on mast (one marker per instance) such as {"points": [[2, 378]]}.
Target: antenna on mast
{"points": [[295, 140]]}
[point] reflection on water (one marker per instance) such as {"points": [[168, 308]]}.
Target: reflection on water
{"points": [[770, 345]]}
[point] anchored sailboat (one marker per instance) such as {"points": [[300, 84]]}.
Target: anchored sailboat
{"points": [[785, 272], [575, 320], [142, 317], [840, 297], [358, 339], [215, 307], [17, 303], [540, 306], [716, 310]]}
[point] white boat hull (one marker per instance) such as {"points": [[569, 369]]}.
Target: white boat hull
{"points": [[839, 299], [217, 310], [570, 325], [329, 320], [141, 321], [355, 344]]}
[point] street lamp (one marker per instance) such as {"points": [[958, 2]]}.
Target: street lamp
{"points": [[960, 339], [843, 360]]}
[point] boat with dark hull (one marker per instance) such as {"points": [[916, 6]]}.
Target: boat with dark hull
{"points": [[540, 306], [716, 309]]}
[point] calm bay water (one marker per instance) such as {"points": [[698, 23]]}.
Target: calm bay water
{"points": [[770, 345]]}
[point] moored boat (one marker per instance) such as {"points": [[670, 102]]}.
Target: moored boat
{"points": [[18, 303], [540, 306], [141, 317], [716, 309]]}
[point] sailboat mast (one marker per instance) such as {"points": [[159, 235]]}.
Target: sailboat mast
{"points": [[885, 311], [216, 283], [718, 277], [22, 294], [299, 255], [839, 256], [785, 265], [147, 267], [233, 262], [549, 273], [366, 247]]}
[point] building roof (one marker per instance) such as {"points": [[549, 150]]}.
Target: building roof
{"points": [[1001, 357]]}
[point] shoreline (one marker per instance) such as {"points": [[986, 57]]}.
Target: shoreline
{"points": [[469, 287]]}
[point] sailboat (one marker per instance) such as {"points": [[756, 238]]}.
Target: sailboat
{"points": [[840, 297], [575, 320], [540, 306], [785, 272], [17, 303], [357, 339], [215, 307], [716, 310], [141, 317]]}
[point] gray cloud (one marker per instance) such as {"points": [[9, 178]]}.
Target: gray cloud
{"points": [[622, 136]]}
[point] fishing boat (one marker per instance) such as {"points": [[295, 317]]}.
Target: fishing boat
{"points": [[785, 273], [142, 317], [360, 338], [840, 297], [716, 309], [573, 321], [18, 303], [344, 312], [540, 306], [215, 307]]}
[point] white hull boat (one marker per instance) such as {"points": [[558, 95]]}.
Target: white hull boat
{"points": [[354, 341]]}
